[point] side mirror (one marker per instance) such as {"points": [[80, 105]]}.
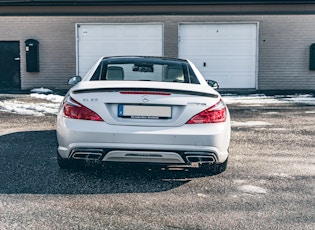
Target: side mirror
{"points": [[213, 84], [74, 80]]}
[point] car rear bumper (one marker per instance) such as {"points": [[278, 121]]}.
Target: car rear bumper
{"points": [[169, 145]]}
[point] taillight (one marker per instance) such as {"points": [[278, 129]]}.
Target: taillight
{"points": [[75, 110], [214, 114]]}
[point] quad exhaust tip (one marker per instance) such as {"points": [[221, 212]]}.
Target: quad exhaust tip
{"points": [[201, 159], [87, 155]]}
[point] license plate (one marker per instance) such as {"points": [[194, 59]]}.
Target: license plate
{"points": [[144, 112]]}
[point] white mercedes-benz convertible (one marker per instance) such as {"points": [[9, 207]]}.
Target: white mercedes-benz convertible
{"points": [[150, 110]]}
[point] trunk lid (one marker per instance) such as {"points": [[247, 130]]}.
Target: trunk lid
{"points": [[143, 103]]}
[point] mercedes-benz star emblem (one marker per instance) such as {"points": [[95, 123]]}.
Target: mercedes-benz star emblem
{"points": [[145, 99]]}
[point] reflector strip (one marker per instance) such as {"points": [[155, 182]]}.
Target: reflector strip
{"points": [[146, 93]]}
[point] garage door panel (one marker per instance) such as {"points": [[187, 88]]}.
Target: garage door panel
{"points": [[97, 40], [224, 47], [193, 31], [243, 31], [220, 63], [109, 31], [223, 52], [229, 80], [138, 31], [231, 65], [194, 47], [241, 47]]}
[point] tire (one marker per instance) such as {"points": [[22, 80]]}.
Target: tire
{"points": [[215, 168], [65, 163]]}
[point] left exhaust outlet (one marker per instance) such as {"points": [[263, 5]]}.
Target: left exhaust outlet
{"points": [[87, 155]]}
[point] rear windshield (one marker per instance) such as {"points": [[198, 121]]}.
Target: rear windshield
{"points": [[144, 69]]}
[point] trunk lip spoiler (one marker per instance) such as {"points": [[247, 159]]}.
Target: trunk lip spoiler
{"points": [[174, 91]]}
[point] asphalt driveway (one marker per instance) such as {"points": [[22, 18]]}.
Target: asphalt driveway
{"points": [[269, 183]]}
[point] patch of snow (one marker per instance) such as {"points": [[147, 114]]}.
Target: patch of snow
{"points": [[42, 91], [271, 113], [278, 129], [284, 175], [253, 99], [239, 181], [35, 109], [250, 123], [252, 189], [261, 99], [307, 99], [48, 97], [21, 108], [201, 195]]}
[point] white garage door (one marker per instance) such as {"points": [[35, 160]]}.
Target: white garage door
{"points": [[223, 52], [97, 40]]}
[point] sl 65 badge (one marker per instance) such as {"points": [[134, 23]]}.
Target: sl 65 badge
{"points": [[90, 99]]}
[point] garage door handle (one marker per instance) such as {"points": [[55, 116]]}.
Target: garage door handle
{"points": [[204, 64], [17, 59]]}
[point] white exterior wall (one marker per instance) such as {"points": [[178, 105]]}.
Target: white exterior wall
{"points": [[283, 45]]}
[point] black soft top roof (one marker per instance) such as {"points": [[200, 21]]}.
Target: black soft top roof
{"points": [[152, 59]]}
